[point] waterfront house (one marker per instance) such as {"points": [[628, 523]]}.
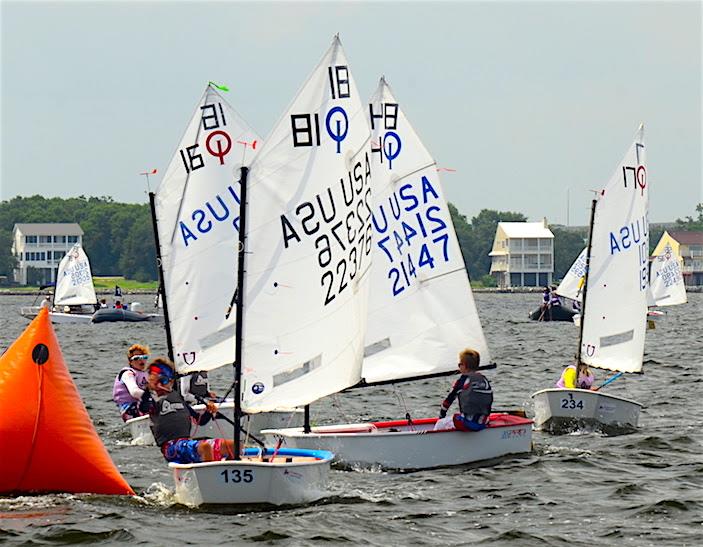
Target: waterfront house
{"points": [[39, 248], [523, 254]]}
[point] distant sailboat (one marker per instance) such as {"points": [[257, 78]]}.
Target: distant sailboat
{"points": [[615, 293], [421, 311], [666, 280], [74, 287]]}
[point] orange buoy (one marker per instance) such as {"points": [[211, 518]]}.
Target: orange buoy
{"points": [[47, 439]]}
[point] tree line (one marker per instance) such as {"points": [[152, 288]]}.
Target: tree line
{"points": [[119, 239]]}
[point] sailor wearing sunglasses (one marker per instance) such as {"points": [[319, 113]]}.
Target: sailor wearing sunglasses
{"points": [[130, 382], [172, 418]]}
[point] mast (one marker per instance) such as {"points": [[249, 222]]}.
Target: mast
{"points": [[585, 281], [240, 313], [162, 286], [306, 422]]}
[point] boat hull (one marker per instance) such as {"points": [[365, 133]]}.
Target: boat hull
{"points": [[57, 317], [397, 445], [140, 428], [112, 315], [555, 313], [297, 477], [566, 410]]}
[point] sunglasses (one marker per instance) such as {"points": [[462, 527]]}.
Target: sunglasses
{"points": [[165, 375], [139, 358]]}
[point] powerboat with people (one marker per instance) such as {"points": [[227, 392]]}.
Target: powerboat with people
{"points": [[552, 308]]}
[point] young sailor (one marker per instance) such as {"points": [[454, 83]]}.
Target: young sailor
{"points": [[568, 379], [195, 387], [475, 397], [171, 419], [130, 382]]}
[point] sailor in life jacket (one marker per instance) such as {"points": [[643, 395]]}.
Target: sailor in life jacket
{"points": [[475, 397], [554, 299], [172, 418], [568, 379], [546, 296], [195, 387], [130, 382]]}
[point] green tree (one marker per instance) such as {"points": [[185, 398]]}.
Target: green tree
{"points": [[116, 235], [7, 260], [691, 224], [568, 244]]}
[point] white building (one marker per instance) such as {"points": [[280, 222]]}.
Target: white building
{"points": [[39, 248], [523, 254]]}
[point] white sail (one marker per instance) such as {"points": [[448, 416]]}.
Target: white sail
{"points": [[666, 280], [74, 282], [572, 284], [421, 308], [309, 246], [197, 212], [616, 299]]}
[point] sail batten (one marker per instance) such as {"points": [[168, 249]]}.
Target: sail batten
{"points": [[613, 323], [421, 311]]}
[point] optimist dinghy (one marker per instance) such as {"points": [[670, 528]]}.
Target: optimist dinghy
{"points": [[140, 428], [74, 288], [615, 294], [421, 312], [303, 340]]}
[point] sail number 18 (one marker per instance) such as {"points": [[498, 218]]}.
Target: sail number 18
{"points": [[237, 476]]}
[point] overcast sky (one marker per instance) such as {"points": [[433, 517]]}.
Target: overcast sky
{"points": [[531, 102]]}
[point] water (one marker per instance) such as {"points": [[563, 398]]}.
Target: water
{"points": [[640, 489]]}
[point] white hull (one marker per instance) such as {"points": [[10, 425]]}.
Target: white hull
{"points": [[252, 481], [141, 430], [397, 445], [57, 317], [562, 410]]}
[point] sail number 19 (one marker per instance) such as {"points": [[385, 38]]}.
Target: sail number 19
{"points": [[237, 476]]}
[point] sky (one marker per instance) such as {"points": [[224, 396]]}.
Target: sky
{"points": [[533, 104]]}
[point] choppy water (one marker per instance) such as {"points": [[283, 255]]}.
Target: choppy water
{"points": [[583, 489]]}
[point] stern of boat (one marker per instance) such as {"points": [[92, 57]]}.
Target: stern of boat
{"points": [[295, 477]]}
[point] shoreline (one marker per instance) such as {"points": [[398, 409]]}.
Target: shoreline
{"points": [[488, 290]]}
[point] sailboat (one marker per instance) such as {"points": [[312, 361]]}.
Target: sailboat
{"points": [[666, 280], [666, 285], [74, 287], [614, 294], [297, 330], [421, 312]]}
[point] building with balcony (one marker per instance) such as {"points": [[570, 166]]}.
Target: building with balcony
{"points": [[39, 248], [523, 254], [688, 248]]}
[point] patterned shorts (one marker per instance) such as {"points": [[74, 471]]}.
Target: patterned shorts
{"points": [[186, 450], [462, 423]]}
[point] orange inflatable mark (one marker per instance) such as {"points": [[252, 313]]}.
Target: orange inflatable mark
{"points": [[47, 439]]}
